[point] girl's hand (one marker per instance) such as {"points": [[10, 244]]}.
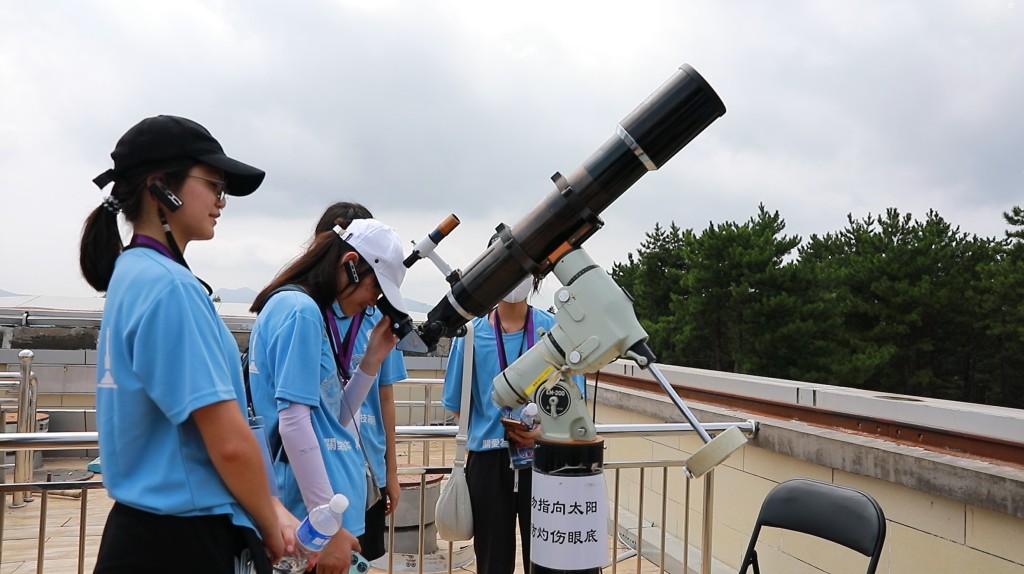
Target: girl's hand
{"points": [[336, 557], [287, 524], [381, 342], [273, 544], [392, 492], [525, 437]]}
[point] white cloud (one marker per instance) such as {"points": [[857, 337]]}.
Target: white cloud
{"points": [[422, 109]]}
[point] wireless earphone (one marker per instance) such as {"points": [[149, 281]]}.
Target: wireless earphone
{"points": [[352, 273], [165, 195]]}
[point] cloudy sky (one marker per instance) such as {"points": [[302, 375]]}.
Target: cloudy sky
{"points": [[420, 109]]}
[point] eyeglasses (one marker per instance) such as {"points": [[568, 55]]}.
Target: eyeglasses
{"points": [[219, 187]]}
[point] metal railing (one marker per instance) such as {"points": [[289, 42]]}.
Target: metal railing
{"points": [[44, 489], [431, 431], [427, 448], [24, 383], [41, 317], [432, 435]]}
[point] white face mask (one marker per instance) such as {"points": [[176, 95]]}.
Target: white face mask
{"points": [[521, 292]]}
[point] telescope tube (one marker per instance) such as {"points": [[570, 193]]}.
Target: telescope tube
{"points": [[644, 140]]}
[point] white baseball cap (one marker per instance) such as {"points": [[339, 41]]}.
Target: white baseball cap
{"points": [[381, 247]]}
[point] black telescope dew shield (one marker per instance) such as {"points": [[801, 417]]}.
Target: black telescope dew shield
{"points": [[644, 141]]}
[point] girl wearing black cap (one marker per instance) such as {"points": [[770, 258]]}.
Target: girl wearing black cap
{"points": [[177, 454], [306, 393]]}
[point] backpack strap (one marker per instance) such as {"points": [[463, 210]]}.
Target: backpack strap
{"points": [[250, 409]]}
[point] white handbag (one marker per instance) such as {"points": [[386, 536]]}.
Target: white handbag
{"points": [[453, 513]]}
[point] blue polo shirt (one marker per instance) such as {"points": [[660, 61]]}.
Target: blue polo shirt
{"points": [[392, 370], [163, 353], [290, 361], [485, 429]]}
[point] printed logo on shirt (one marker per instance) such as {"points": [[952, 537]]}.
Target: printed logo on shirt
{"points": [[334, 444], [330, 392], [107, 382], [366, 418], [489, 443]]}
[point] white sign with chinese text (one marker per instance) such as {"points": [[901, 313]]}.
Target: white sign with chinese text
{"points": [[570, 522]]}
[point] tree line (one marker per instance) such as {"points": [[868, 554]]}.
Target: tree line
{"points": [[890, 303]]}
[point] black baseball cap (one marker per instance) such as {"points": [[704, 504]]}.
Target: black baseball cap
{"points": [[170, 142]]}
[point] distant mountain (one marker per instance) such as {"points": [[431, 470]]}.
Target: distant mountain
{"points": [[240, 295], [8, 294]]}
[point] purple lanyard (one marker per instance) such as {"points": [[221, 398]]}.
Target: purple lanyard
{"points": [[147, 241], [528, 336], [343, 348]]}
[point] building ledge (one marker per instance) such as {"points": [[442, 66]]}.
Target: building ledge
{"points": [[986, 484]]}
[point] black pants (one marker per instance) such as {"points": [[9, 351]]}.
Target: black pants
{"points": [[496, 509], [372, 542], [138, 541]]}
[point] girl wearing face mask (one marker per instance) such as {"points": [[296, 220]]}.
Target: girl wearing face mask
{"points": [[500, 493], [296, 384]]}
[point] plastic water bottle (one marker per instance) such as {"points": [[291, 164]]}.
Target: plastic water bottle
{"points": [[529, 415], [521, 455], [313, 534]]}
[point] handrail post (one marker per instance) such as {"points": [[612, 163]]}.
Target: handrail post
{"points": [[706, 557], [26, 424]]}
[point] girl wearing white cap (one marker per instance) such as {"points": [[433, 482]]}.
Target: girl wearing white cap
{"points": [[295, 377], [377, 412], [178, 456]]}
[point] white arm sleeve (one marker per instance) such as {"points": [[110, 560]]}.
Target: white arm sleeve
{"points": [[304, 455], [354, 395]]}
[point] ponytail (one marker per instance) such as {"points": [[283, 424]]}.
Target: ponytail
{"points": [[101, 244]]}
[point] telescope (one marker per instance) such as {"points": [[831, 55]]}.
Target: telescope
{"points": [[643, 141], [595, 322]]}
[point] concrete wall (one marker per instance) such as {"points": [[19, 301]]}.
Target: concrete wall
{"points": [[68, 377], [941, 526]]}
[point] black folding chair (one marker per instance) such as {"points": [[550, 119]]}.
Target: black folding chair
{"points": [[843, 515]]}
